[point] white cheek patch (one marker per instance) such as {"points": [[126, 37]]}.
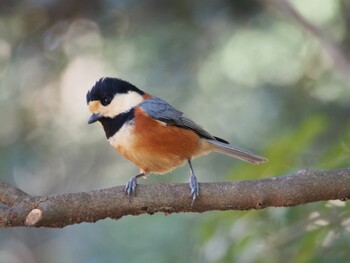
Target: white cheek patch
{"points": [[122, 103]]}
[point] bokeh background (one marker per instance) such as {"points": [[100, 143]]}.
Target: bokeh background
{"points": [[266, 77]]}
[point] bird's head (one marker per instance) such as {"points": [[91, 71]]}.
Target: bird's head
{"points": [[110, 97]]}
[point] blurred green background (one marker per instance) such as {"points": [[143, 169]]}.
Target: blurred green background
{"points": [[244, 70]]}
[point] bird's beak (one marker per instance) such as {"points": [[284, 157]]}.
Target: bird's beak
{"points": [[94, 117]]}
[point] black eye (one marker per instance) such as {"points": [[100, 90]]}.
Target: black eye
{"points": [[106, 100]]}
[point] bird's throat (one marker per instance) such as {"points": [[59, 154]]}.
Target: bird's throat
{"points": [[112, 125]]}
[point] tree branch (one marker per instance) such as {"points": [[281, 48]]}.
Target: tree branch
{"points": [[334, 50], [61, 210], [9, 195]]}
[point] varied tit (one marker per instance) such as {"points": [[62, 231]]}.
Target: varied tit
{"points": [[151, 133]]}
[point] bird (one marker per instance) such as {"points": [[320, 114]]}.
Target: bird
{"points": [[151, 133]]}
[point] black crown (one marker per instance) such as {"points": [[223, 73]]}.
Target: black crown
{"points": [[105, 89]]}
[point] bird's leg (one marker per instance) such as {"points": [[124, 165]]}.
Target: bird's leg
{"points": [[130, 187], [193, 183]]}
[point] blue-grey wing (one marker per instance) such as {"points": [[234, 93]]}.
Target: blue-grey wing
{"points": [[164, 112]]}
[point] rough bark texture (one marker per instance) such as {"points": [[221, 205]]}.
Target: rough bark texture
{"points": [[61, 210]]}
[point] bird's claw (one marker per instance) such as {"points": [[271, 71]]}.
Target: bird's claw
{"points": [[130, 187]]}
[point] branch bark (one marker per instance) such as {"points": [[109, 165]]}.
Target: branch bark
{"points": [[60, 210], [9, 195]]}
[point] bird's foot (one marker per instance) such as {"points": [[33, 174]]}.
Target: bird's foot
{"points": [[130, 187], [194, 186]]}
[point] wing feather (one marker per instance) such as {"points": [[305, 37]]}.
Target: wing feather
{"points": [[163, 111]]}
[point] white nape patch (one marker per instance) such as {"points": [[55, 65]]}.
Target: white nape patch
{"points": [[123, 139], [122, 103]]}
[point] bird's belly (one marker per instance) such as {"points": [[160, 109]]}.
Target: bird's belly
{"points": [[155, 147]]}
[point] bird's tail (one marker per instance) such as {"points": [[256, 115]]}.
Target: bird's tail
{"points": [[236, 152]]}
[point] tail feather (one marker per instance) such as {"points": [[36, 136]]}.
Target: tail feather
{"points": [[236, 152]]}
